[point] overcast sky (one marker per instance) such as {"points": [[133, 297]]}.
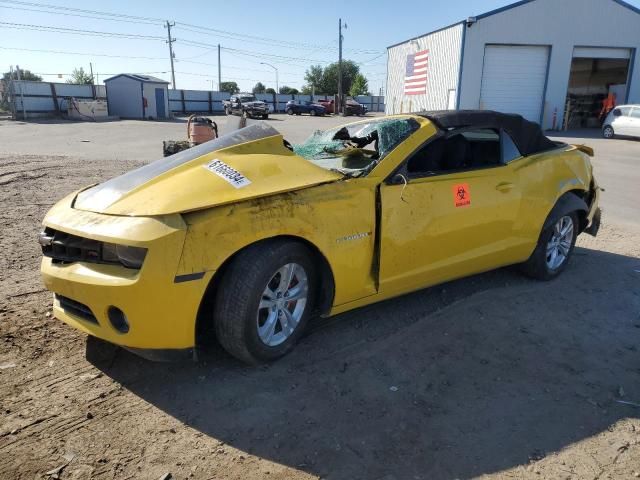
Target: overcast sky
{"points": [[290, 36]]}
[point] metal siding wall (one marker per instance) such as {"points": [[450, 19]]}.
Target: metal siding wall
{"points": [[562, 24], [38, 98], [445, 48], [125, 98]]}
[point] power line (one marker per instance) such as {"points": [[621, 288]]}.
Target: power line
{"points": [[265, 40], [81, 53], [74, 31], [66, 14], [101, 15], [69, 10]]}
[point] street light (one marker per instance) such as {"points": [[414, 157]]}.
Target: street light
{"points": [[269, 65]]}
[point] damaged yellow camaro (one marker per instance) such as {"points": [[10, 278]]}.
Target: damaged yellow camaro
{"points": [[248, 237]]}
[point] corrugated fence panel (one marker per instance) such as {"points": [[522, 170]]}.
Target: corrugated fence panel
{"points": [[445, 48], [38, 96], [78, 91]]}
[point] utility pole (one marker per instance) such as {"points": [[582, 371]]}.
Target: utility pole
{"points": [[91, 69], [170, 42], [219, 69], [24, 108], [340, 109]]}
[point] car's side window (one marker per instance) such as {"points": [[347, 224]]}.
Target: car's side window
{"points": [[458, 151], [635, 113], [509, 149], [624, 111]]}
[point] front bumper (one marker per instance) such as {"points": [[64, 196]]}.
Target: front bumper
{"points": [[161, 310]]}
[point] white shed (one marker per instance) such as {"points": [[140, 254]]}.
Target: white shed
{"points": [[130, 95], [552, 61]]}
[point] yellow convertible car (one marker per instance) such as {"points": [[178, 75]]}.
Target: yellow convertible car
{"points": [[248, 236]]}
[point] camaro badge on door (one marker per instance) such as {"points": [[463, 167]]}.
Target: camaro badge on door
{"points": [[461, 195], [227, 172]]}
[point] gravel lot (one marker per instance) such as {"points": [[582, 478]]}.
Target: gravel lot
{"points": [[494, 376]]}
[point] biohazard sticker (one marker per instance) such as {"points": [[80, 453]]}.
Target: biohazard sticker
{"points": [[227, 173], [461, 195]]}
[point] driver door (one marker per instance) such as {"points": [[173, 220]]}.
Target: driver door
{"points": [[444, 225]]}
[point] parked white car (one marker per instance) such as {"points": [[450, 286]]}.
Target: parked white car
{"points": [[623, 120]]}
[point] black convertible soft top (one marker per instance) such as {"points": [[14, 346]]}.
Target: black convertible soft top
{"points": [[527, 135]]}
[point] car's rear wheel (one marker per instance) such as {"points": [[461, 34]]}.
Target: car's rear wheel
{"points": [[265, 300], [289, 111], [554, 249], [608, 132]]}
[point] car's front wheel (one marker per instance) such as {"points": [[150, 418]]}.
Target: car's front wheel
{"points": [[554, 249], [313, 113], [289, 111], [265, 300], [608, 132]]}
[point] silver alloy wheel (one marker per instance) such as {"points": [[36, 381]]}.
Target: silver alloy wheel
{"points": [[608, 132], [282, 304], [560, 242]]}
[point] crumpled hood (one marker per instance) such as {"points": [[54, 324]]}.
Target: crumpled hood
{"points": [[249, 163]]}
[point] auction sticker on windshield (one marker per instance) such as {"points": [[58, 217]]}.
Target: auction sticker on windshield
{"points": [[227, 173]]}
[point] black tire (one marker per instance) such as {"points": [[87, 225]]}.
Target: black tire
{"points": [[265, 116], [608, 132], [313, 113], [289, 111], [240, 292], [536, 266]]}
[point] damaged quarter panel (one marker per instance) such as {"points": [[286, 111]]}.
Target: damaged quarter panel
{"points": [[337, 218], [545, 177]]}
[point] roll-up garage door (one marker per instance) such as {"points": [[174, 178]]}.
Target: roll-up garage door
{"points": [[513, 79]]}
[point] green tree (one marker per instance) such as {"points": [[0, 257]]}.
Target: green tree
{"points": [[288, 90], [259, 88], [330, 76], [270, 90], [80, 77], [314, 77], [230, 87], [325, 79], [360, 86], [24, 75], [6, 77]]}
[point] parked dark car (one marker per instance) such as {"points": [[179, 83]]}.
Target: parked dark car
{"points": [[351, 107], [301, 106]]}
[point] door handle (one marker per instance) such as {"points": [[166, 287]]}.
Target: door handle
{"points": [[505, 186]]}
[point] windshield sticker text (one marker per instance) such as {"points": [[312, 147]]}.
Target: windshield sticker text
{"points": [[228, 173]]}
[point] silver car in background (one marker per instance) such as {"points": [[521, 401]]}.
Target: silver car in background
{"points": [[623, 120]]}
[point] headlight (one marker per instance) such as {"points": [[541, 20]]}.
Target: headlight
{"points": [[130, 257]]}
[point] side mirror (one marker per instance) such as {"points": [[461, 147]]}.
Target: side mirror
{"points": [[617, 113]]}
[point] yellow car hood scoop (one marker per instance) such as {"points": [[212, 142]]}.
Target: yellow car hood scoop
{"points": [[248, 163]]}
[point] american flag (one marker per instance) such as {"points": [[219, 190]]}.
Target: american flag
{"points": [[415, 79]]}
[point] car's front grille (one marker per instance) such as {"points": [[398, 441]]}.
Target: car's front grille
{"points": [[66, 248], [76, 308]]}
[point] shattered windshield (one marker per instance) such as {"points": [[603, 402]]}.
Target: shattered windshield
{"points": [[355, 149]]}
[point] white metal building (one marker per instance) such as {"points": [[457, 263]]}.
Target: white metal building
{"points": [[130, 95], [538, 58]]}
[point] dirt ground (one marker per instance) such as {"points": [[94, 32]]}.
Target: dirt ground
{"points": [[494, 376]]}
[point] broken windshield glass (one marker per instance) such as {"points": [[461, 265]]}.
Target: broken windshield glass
{"points": [[355, 149]]}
